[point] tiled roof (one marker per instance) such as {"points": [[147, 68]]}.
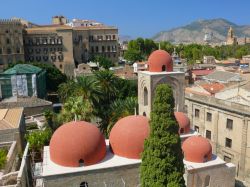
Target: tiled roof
{"points": [[23, 102], [201, 72], [10, 118], [23, 69], [213, 88]]}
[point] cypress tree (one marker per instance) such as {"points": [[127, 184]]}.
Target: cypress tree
{"points": [[162, 158]]}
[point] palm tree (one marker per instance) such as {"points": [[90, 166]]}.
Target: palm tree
{"points": [[88, 88], [107, 81], [66, 90], [120, 109]]}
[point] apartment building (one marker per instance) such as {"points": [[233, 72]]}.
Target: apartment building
{"points": [[224, 119]]}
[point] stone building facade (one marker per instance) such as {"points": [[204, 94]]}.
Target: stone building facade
{"points": [[226, 124], [11, 41], [50, 44], [60, 44]]}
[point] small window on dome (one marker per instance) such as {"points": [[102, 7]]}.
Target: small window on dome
{"points": [[163, 68], [81, 162], [181, 130]]}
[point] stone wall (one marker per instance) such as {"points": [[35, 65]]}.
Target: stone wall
{"points": [[116, 177], [216, 176]]}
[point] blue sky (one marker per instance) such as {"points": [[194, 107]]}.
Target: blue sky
{"points": [[133, 17]]}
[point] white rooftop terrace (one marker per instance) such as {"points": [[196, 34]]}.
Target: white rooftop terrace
{"points": [[50, 168]]}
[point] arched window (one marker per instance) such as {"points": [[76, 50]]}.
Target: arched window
{"points": [[207, 181], [163, 68], [181, 130], [81, 162], [145, 96], [84, 184]]}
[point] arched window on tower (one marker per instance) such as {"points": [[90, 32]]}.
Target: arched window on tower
{"points": [[163, 68], [145, 96], [84, 184]]}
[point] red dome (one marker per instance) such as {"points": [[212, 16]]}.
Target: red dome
{"points": [[77, 143], [183, 121], [158, 60], [128, 135], [197, 149]]}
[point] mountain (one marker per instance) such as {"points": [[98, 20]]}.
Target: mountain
{"points": [[124, 38], [195, 31]]}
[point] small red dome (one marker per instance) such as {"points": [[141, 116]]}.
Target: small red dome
{"points": [[77, 143], [128, 135], [197, 149], [183, 121], [160, 61]]}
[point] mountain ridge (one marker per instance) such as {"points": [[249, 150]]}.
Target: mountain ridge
{"points": [[194, 32]]}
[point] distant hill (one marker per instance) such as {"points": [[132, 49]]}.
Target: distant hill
{"points": [[123, 38], [195, 31]]}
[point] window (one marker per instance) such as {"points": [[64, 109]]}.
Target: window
{"points": [[113, 37], [8, 51], [61, 68], [228, 142], [103, 49], [163, 68], [92, 49], [1, 51], [181, 130], [229, 124], [108, 48], [144, 114], [207, 181], [96, 49], [45, 58], [227, 159], [145, 96], [6, 31], [196, 128], [209, 116], [84, 184], [208, 134], [17, 50], [197, 113], [7, 41]]}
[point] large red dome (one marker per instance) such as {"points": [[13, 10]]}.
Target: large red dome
{"points": [[160, 61], [128, 135], [183, 121], [197, 149], [77, 143]]}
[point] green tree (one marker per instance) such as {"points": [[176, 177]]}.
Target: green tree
{"points": [[103, 62], [37, 140], [162, 159], [133, 55], [77, 108]]}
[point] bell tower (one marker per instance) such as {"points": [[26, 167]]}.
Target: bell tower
{"points": [[160, 71]]}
